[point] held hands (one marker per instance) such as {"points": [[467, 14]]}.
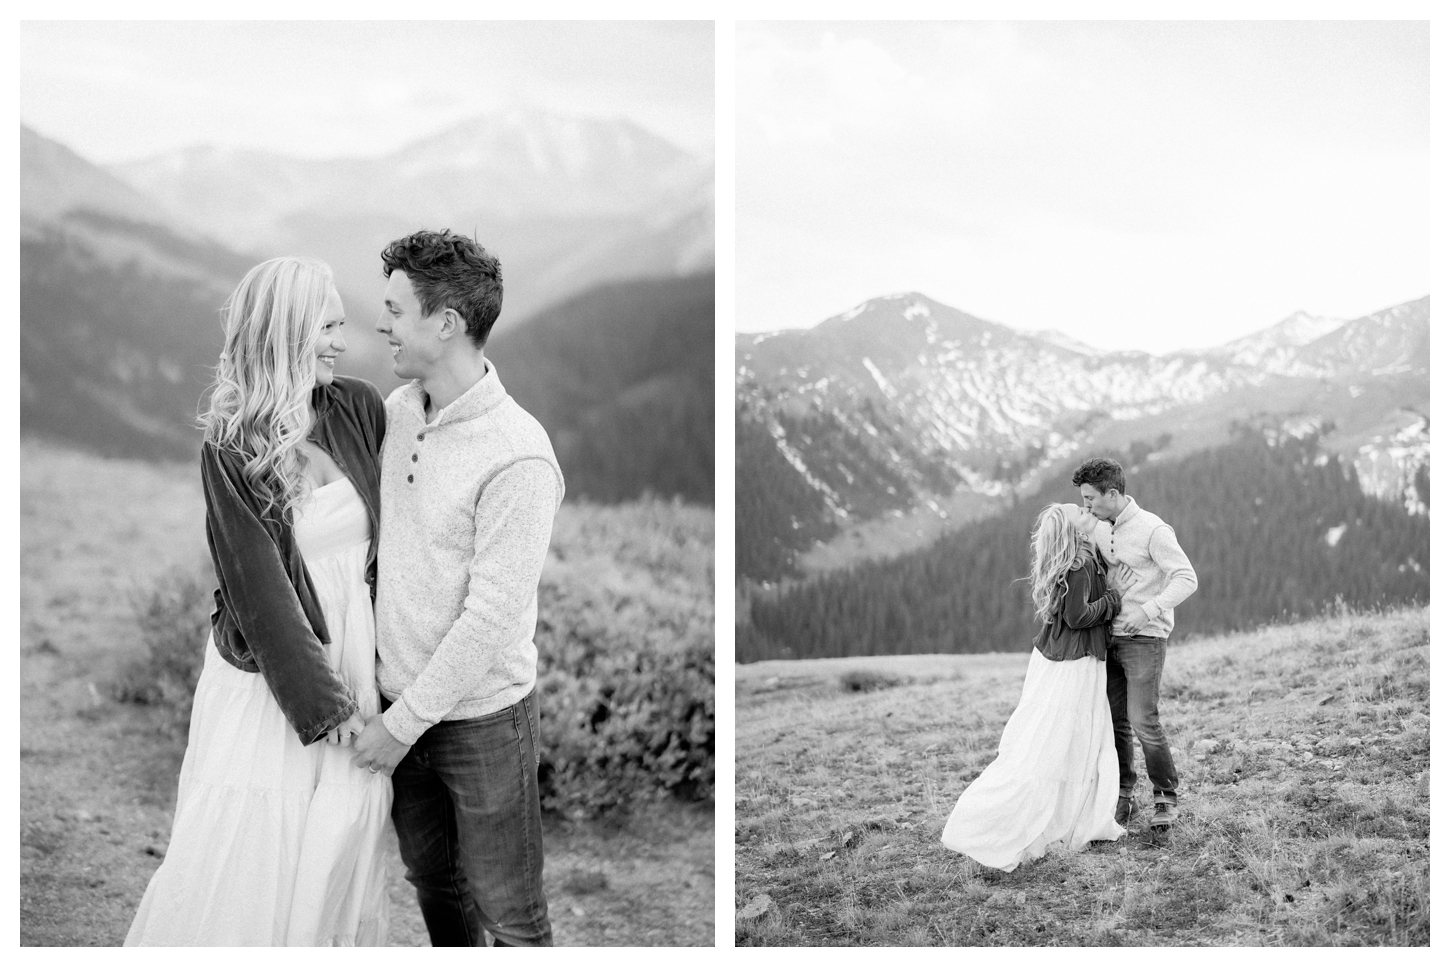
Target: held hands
{"points": [[376, 750], [344, 733]]}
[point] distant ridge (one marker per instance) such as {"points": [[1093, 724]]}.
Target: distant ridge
{"points": [[565, 201], [54, 181]]}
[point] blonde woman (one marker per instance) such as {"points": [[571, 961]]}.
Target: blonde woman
{"points": [[277, 840], [1055, 778]]}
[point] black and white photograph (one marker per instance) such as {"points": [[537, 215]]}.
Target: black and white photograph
{"points": [[366, 483], [1082, 483]]}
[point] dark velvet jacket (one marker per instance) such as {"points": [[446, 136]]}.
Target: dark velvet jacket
{"points": [[1080, 627], [267, 618]]}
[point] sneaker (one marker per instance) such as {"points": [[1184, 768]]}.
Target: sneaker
{"points": [[1164, 814], [1124, 811]]}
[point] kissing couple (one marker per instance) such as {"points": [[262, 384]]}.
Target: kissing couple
{"points": [[1106, 577], [371, 655]]}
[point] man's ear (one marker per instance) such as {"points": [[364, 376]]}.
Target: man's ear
{"points": [[451, 324]]}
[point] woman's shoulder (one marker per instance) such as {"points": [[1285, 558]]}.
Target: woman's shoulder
{"points": [[358, 390], [359, 399], [214, 457], [224, 475], [1083, 568]]}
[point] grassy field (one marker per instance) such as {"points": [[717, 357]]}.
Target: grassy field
{"points": [[98, 777], [1303, 752]]}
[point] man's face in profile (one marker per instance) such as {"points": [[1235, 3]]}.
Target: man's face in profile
{"points": [[411, 335], [1100, 505]]}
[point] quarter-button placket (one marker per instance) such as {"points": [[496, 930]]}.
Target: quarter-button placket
{"points": [[415, 455]]}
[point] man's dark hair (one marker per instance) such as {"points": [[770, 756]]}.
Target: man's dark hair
{"points": [[450, 271], [1103, 474]]}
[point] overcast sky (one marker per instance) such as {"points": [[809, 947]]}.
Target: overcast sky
{"points": [[1136, 185], [115, 91]]}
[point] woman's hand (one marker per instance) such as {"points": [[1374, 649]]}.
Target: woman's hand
{"points": [[347, 731]]}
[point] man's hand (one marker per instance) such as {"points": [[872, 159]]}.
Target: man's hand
{"points": [[376, 750], [1135, 619]]}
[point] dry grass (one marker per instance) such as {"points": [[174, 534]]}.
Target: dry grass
{"points": [[98, 776], [1304, 758]]}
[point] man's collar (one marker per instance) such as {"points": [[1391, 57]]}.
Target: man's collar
{"points": [[1129, 509], [477, 400]]}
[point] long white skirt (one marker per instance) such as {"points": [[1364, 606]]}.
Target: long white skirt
{"points": [[1055, 778], [275, 843]]}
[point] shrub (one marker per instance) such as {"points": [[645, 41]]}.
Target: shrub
{"points": [[627, 657], [626, 693], [863, 680], [627, 725], [174, 619]]}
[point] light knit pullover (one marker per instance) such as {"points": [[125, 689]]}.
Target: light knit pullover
{"points": [[1146, 566], [468, 506]]}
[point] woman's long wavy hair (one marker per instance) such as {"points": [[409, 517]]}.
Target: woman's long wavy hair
{"points": [[1055, 551], [258, 409]]}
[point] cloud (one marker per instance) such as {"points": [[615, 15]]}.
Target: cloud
{"points": [[117, 90], [815, 93], [1082, 173]]}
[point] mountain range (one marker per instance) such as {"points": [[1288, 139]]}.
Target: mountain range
{"points": [[120, 323], [903, 404], [565, 202]]}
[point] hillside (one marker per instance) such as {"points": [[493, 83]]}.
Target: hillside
{"points": [[55, 180], [1303, 752], [622, 377], [120, 311], [1274, 525], [903, 407], [119, 327]]}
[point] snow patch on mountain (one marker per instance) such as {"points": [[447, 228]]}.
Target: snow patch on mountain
{"points": [[881, 381], [794, 458], [1389, 465], [1063, 341], [1276, 349]]}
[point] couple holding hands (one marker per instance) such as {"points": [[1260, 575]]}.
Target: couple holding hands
{"points": [[371, 659]]}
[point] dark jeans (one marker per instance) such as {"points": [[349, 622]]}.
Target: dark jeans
{"points": [[1135, 667], [466, 807]]}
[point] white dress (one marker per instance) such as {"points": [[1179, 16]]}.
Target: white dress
{"points": [[275, 843], [1055, 778]]}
